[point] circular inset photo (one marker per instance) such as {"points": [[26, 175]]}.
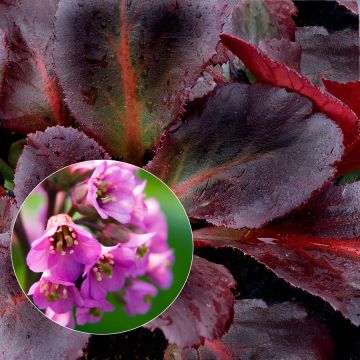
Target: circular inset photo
{"points": [[102, 247]]}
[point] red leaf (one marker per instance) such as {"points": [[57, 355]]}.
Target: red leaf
{"points": [[203, 310], [225, 160], [333, 56], [30, 99], [126, 67], [49, 151], [271, 72], [24, 332], [349, 93], [261, 332], [316, 249]]}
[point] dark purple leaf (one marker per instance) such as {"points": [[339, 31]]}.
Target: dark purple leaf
{"points": [[225, 160], [30, 99], [316, 248], [271, 72], [332, 56], [127, 67], [283, 51], [49, 151], [349, 93], [203, 310], [261, 332]]}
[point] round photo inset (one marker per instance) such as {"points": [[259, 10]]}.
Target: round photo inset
{"points": [[102, 247]]}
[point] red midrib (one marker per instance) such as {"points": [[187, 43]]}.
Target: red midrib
{"points": [[129, 80], [51, 91]]}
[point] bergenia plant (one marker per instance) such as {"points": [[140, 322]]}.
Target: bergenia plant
{"points": [[78, 267], [226, 102]]}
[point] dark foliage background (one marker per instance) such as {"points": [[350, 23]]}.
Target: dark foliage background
{"points": [[254, 280]]}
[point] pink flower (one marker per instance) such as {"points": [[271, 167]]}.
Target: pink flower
{"points": [[65, 319], [92, 311], [60, 296], [138, 296], [63, 249], [159, 268], [108, 273], [155, 222], [112, 191]]}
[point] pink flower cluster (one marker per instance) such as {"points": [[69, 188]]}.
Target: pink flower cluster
{"points": [[79, 271]]}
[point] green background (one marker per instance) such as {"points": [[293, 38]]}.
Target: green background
{"points": [[179, 239]]}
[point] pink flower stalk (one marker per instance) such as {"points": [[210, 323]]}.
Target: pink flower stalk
{"points": [[92, 311], [63, 249], [138, 297], [159, 268], [60, 296], [65, 319], [111, 191], [108, 273]]}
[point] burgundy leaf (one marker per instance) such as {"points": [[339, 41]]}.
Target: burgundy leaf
{"points": [[333, 56], [283, 51], [24, 332], [30, 99], [126, 66], [49, 151], [203, 310], [351, 5], [349, 93], [261, 332], [271, 72], [226, 161], [316, 249]]}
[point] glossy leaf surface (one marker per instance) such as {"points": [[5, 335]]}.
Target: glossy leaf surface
{"points": [[276, 332], [316, 249], [203, 310], [225, 160], [126, 67], [271, 72], [30, 99]]}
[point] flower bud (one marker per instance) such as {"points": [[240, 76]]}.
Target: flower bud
{"points": [[79, 199]]}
